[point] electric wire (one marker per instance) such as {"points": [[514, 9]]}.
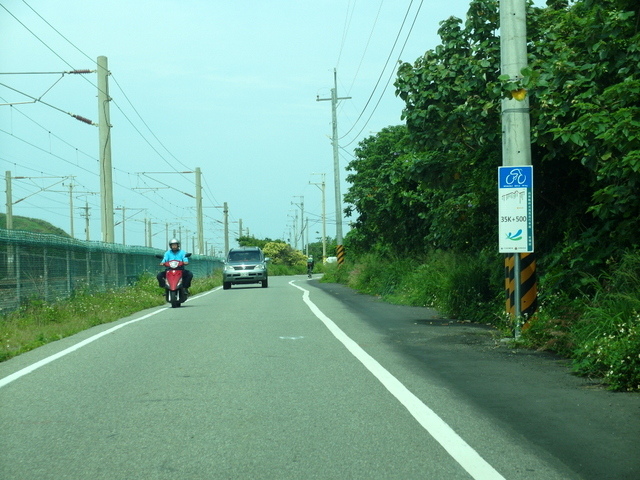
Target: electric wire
{"points": [[138, 131], [59, 109], [386, 85], [148, 128], [380, 77], [36, 36], [345, 29], [384, 68], [57, 31], [75, 165], [366, 47], [39, 100], [111, 99]]}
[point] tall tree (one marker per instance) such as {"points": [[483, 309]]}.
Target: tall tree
{"points": [[584, 89], [452, 114], [586, 117]]}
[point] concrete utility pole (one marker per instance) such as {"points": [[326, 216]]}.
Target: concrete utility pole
{"points": [[336, 159], [71, 208], [225, 211], [104, 126], [199, 211], [86, 216], [321, 186], [293, 240], [9, 216], [516, 135], [301, 207], [124, 229]]}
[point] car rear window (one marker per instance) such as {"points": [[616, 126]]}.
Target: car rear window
{"points": [[244, 257]]}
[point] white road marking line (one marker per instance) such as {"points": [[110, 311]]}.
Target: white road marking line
{"points": [[467, 457], [21, 373]]}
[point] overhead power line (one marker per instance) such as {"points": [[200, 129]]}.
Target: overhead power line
{"points": [[39, 99], [382, 73], [118, 85], [373, 27], [55, 30]]}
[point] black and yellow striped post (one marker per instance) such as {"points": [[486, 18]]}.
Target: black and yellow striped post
{"points": [[528, 285], [340, 253]]}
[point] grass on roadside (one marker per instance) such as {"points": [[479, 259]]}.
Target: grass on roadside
{"points": [[37, 323], [463, 287], [600, 332]]}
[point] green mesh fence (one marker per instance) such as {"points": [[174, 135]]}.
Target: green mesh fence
{"points": [[50, 267]]}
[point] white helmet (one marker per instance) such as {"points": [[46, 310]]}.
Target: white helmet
{"points": [[174, 240]]}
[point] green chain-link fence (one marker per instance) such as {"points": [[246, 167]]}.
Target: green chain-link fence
{"points": [[49, 267]]}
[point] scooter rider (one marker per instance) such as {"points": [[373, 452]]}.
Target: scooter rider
{"points": [[175, 253]]}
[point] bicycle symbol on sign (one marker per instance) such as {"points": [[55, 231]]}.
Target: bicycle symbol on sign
{"points": [[516, 176]]}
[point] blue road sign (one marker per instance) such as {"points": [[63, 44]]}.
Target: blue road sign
{"points": [[515, 209]]}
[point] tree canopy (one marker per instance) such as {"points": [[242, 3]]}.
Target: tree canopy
{"points": [[431, 184]]}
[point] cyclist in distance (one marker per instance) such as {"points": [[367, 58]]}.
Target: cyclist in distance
{"points": [[310, 264]]}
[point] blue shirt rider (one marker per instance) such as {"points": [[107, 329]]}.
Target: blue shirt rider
{"points": [[175, 253]]}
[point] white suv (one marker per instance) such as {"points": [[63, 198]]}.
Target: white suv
{"points": [[245, 265]]}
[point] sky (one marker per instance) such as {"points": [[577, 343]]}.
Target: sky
{"points": [[229, 87]]}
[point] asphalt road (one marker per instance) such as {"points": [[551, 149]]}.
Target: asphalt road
{"points": [[305, 381]]}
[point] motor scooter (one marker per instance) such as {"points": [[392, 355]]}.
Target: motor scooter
{"points": [[175, 293]]}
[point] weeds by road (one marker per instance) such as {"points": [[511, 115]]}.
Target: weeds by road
{"points": [[599, 328], [37, 323]]}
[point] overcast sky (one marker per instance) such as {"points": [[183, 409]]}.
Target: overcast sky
{"points": [[230, 87]]}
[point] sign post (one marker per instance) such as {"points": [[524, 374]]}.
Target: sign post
{"points": [[515, 221]]}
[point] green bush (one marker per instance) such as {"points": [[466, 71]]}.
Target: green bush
{"points": [[459, 286], [613, 354], [375, 275], [607, 336], [335, 273], [550, 328], [600, 332]]}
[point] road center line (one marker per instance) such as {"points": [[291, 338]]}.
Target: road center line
{"points": [[460, 450]]}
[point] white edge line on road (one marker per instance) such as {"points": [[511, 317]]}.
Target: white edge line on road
{"points": [[467, 457], [21, 373]]}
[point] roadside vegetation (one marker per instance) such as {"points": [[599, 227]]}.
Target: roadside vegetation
{"points": [[598, 329], [422, 200], [423, 196], [37, 323]]}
